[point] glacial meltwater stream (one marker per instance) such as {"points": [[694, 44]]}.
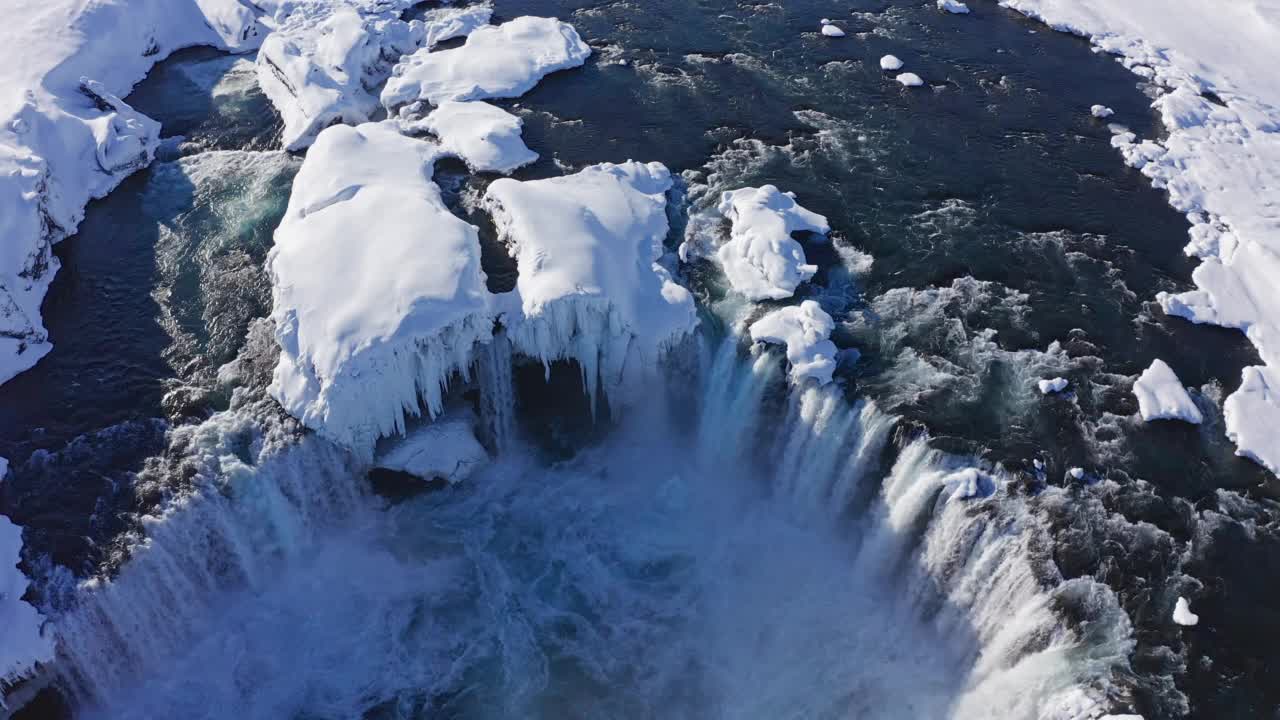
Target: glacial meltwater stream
{"points": [[906, 542]]}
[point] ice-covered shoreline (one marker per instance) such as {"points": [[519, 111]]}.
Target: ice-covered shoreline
{"points": [[1220, 163]]}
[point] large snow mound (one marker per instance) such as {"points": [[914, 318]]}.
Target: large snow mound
{"points": [[805, 330], [22, 640], [485, 137], [446, 449], [497, 61], [590, 287], [1220, 164], [378, 293], [1161, 396], [318, 67], [65, 135], [761, 260]]}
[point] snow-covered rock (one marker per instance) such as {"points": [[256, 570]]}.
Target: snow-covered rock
{"points": [[1076, 473], [23, 642], [485, 137], [761, 260], [805, 330], [497, 61], [910, 80], [1182, 614], [378, 293], [445, 449], [890, 62], [953, 6], [65, 135], [1220, 163], [1101, 111], [1055, 385], [590, 287], [1161, 396], [831, 30]]}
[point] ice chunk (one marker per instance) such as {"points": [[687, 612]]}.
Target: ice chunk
{"points": [[23, 642], [805, 330], [830, 30], [485, 137], [910, 80], [590, 286], [445, 449], [378, 293], [1161, 396], [1056, 385], [1182, 614], [1076, 473], [890, 62], [953, 6], [1252, 415], [496, 62], [761, 260], [1101, 111]]}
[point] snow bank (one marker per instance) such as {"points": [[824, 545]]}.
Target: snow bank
{"points": [[805, 330], [378, 293], [446, 449], [590, 287], [761, 260], [318, 67], [1161, 396], [1101, 111], [1056, 385], [1220, 163], [496, 62], [954, 7], [890, 62], [1182, 614], [910, 80], [65, 135], [485, 137], [22, 641]]}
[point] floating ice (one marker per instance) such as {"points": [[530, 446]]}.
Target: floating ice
{"points": [[805, 330], [831, 30], [23, 642], [890, 62], [1252, 415], [446, 449], [761, 259], [496, 62], [953, 6], [1101, 111], [379, 296], [590, 287], [910, 80], [485, 137], [1182, 614], [1056, 385], [1161, 396]]}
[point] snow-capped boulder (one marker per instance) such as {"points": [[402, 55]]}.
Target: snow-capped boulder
{"points": [[890, 62], [444, 449], [1055, 385], [1182, 614], [378, 293], [953, 6], [761, 260], [831, 30], [1161, 396], [23, 642], [1101, 111], [485, 137], [805, 330], [497, 61], [590, 287], [910, 80]]}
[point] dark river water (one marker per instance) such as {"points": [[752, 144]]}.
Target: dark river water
{"points": [[986, 235]]}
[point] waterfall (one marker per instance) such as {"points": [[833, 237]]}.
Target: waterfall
{"points": [[497, 394]]}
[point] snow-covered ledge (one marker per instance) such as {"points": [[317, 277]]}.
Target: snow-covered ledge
{"points": [[1220, 164]]}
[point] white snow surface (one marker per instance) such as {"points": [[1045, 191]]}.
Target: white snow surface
{"points": [[1220, 164], [953, 6], [22, 641], [1161, 396], [497, 61], [831, 30], [485, 137], [761, 260], [1056, 385], [890, 62], [378, 293], [65, 135], [1101, 111], [590, 287], [1182, 614], [910, 79], [318, 66], [805, 330], [446, 449]]}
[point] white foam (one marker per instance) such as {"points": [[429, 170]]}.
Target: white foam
{"points": [[1161, 396], [761, 260]]}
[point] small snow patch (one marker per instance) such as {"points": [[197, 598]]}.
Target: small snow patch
{"points": [[1055, 385], [954, 7], [910, 80], [831, 30], [890, 62], [1101, 111], [1076, 473], [1182, 614]]}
